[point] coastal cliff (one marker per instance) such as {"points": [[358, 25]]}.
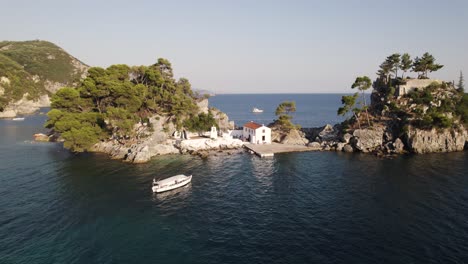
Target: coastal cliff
{"points": [[32, 71], [380, 141]]}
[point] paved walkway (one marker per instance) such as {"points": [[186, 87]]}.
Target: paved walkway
{"points": [[268, 150]]}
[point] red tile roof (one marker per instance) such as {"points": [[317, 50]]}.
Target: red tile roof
{"points": [[252, 125]]}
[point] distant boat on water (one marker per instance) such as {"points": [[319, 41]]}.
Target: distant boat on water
{"points": [[256, 110], [170, 183], [18, 119]]}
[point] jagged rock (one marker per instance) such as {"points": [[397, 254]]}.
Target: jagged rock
{"points": [[314, 146], [327, 133], [203, 106], [340, 146], [427, 141], [348, 148], [388, 136], [367, 140], [222, 120], [347, 137], [41, 137], [398, 146], [142, 156], [295, 137]]}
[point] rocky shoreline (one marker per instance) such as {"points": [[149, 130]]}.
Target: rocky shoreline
{"points": [[380, 140], [143, 151], [375, 141]]}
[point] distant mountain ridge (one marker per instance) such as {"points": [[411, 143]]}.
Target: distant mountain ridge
{"points": [[203, 92], [31, 71]]}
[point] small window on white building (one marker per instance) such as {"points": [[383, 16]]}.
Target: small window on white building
{"points": [[263, 131]]}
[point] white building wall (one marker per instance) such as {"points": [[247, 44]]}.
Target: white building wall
{"points": [[257, 135], [263, 135]]}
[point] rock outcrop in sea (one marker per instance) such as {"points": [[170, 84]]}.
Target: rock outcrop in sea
{"points": [[379, 140], [405, 116], [159, 137]]}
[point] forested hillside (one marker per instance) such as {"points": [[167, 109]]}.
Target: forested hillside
{"points": [[35, 68]]}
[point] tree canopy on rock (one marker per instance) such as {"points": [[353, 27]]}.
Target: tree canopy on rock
{"points": [[283, 112], [109, 102]]}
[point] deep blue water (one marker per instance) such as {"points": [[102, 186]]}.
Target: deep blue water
{"points": [[313, 110], [314, 207]]}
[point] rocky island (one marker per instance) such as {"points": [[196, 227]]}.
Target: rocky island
{"points": [[136, 112], [405, 115]]}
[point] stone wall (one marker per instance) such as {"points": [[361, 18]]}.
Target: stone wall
{"points": [[413, 84]]}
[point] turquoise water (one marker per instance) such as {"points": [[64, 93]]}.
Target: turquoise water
{"points": [[315, 207]]}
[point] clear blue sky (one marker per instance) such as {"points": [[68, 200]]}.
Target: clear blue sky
{"points": [[249, 46]]}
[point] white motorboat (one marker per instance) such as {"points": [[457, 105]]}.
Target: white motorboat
{"points": [[170, 183], [256, 110], [18, 119]]}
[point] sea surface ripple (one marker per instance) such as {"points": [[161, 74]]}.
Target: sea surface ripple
{"points": [[314, 207]]}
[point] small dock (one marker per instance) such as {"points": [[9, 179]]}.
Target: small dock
{"points": [[269, 150]]}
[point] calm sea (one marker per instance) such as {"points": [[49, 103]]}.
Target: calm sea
{"points": [[316, 207], [313, 110]]}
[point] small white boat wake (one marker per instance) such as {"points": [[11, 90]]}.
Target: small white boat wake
{"points": [[170, 183], [256, 110]]}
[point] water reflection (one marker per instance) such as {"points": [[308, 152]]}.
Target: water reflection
{"points": [[263, 170]]}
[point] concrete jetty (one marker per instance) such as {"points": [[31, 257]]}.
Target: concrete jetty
{"points": [[268, 150]]}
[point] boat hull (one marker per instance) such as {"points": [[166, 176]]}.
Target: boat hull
{"points": [[172, 186]]}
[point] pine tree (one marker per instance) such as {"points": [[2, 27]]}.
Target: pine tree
{"points": [[362, 84], [461, 83], [405, 64]]}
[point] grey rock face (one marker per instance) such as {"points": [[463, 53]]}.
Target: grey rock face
{"points": [[424, 141], [398, 146], [340, 146], [347, 137], [314, 146], [367, 140], [295, 137], [348, 148], [328, 133]]}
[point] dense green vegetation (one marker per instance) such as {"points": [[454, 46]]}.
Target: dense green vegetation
{"points": [[462, 108], [109, 102], [21, 61], [283, 112], [439, 105], [200, 123]]}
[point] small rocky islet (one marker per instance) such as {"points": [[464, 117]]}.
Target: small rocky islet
{"points": [[134, 113]]}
